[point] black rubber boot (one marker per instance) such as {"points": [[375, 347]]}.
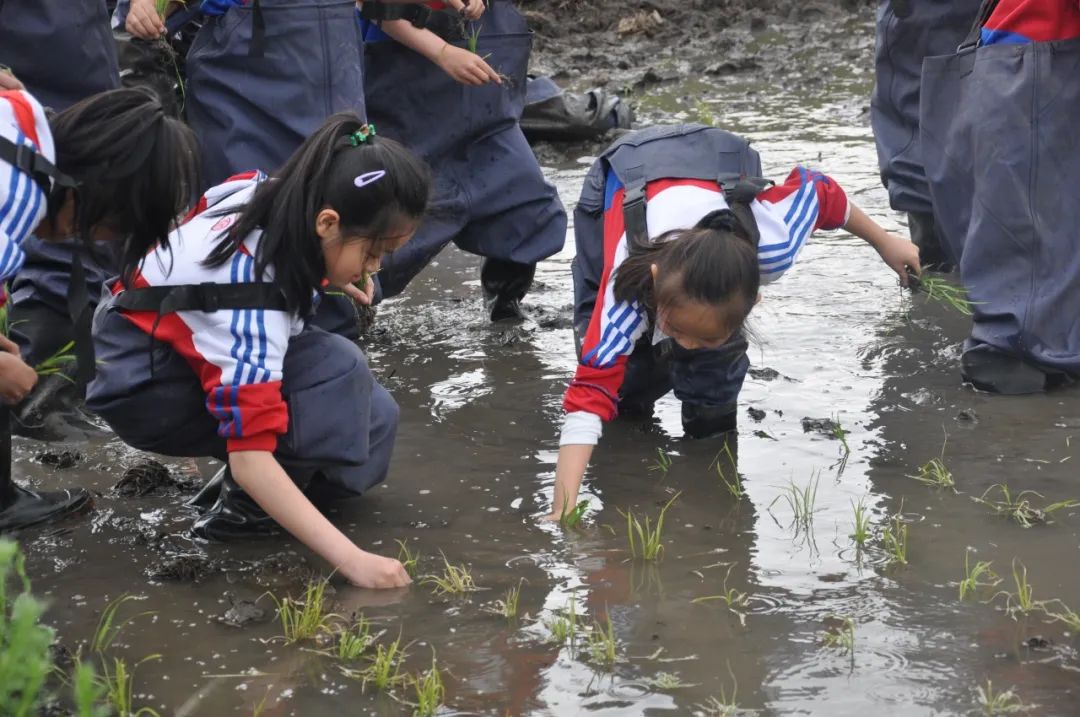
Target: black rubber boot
{"points": [[23, 508], [998, 372], [233, 514], [924, 234], [208, 494], [705, 421], [505, 284]]}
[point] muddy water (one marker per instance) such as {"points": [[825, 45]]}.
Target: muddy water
{"points": [[475, 464]]}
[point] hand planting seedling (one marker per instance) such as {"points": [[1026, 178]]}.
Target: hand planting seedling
{"points": [[1019, 507], [407, 558], [942, 291]]}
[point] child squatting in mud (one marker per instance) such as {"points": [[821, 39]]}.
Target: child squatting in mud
{"points": [[205, 349], [668, 266]]}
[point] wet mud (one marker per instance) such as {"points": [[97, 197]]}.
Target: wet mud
{"points": [[750, 603]]}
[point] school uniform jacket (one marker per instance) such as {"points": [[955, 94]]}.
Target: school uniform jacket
{"points": [[786, 214], [1018, 22], [236, 354]]}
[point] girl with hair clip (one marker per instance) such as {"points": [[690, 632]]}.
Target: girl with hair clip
{"points": [[207, 350], [108, 168], [674, 238]]}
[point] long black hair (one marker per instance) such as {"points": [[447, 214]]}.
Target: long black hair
{"points": [[712, 263], [328, 170], [137, 169]]}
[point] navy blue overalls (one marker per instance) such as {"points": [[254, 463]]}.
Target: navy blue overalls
{"points": [[342, 422], [490, 196], [706, 381], [1000, 131], [265, 75], [62, 50], [907, 32]]}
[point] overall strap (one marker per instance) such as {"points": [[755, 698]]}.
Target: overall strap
{"points": [[24, 158], [207, 297]]}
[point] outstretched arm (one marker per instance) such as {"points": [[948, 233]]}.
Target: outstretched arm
{"points": [[463, 66], [899, 254]]}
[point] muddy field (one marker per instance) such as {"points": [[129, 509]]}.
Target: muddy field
{"points": [[748, 605]]}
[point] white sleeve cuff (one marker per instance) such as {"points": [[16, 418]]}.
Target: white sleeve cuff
{"points": [[581, 428]]}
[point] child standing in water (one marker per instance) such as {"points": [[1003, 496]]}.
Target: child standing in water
{"points": [[673, 242], [491, 198], [206, 348]]}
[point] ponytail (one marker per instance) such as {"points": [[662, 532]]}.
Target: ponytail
{"points": [[373, 185], [137, 169], [712, 263]]}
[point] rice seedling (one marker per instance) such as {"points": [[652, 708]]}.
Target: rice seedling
{"points": [[1000, 703], [734, 600], [407, 558], [430, 691], [455, 580], [119, 682], [508, 606], [840, 434], [733, 483], [308, 617], [1023, 600], [981, 575], [88, 692], [601, 644], [57, 363], [354, 641], [935, 474], [839, 634], [570, 518], [24, 641], [861, 531], [563, 626], [801, 501], [472, 37], [1019, 507], [1066, 615], [724, 705], [895, 538], [662, 464], [942, 291], [666, 682], [646, 539], [384, 672]]}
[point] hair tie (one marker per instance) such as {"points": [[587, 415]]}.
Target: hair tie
{"points": [[720, 220], [362, 135]]}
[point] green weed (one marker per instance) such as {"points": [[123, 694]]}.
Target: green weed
{"points": [[840, 635], [455, 580], [1019, 507], [430, 691], [646, 539], [306, 618], [981, 575], [1001, 703]]}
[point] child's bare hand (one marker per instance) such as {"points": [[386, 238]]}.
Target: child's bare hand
{"points": [[8, 81], [16, 378], [901, 255], [363, 296], [374, 571], [470, 11], [466, 67], [143, 20]]}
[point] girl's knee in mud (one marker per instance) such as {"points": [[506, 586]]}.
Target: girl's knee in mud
{"points": [[234, 294]]}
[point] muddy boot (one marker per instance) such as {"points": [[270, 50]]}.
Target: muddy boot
{"points": [[704, 421], [208, 494], [23, 508], [233, 515], [925, 235], [998, 372], [505, 284]]}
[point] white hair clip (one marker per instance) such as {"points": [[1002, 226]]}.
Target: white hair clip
{"points": [[369, 178]]}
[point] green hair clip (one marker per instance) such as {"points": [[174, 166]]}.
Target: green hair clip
{"points": [[362, 135]]}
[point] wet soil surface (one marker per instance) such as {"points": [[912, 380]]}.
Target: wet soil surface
{"points": [[823, 626]]}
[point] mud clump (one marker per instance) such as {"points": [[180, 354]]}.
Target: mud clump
{"points": [[241, 612], [188, 568], [59, 460], [151, 478], [824, 426]]}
